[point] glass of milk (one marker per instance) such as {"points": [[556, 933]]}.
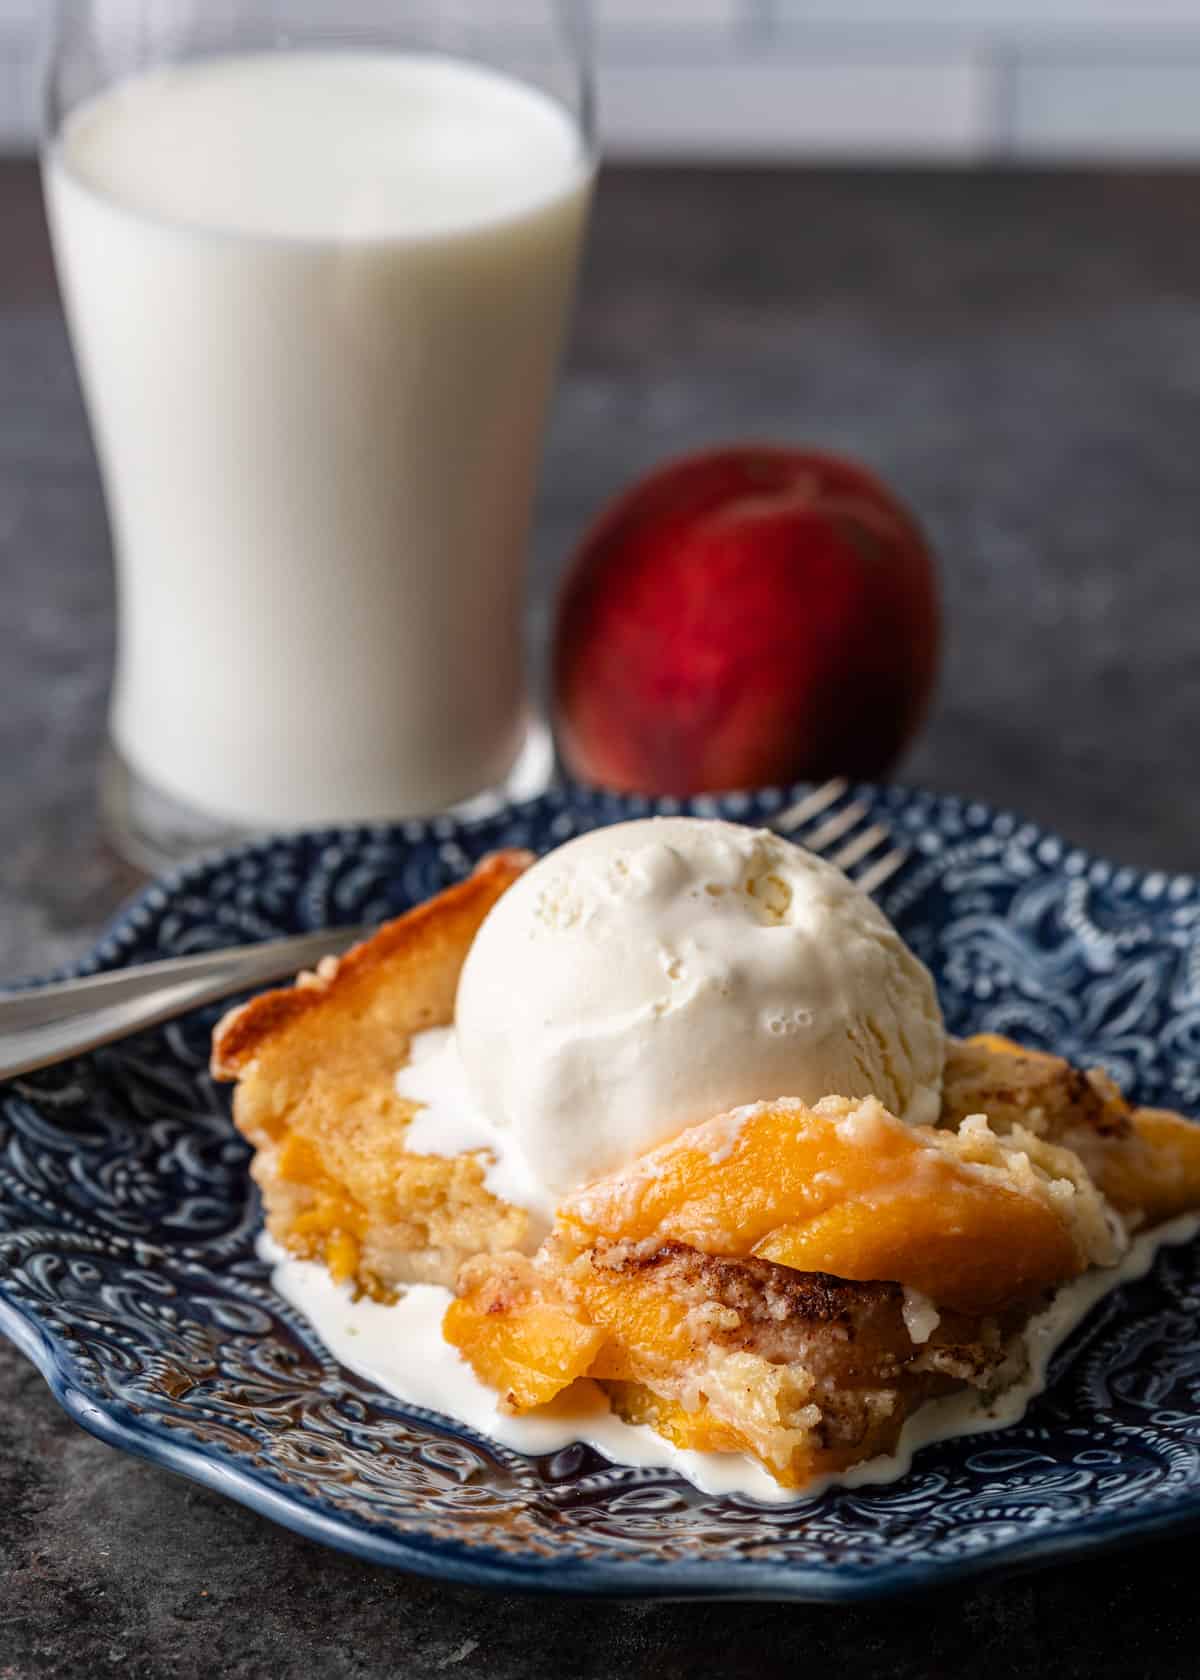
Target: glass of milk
{"points": [[317, 258]]}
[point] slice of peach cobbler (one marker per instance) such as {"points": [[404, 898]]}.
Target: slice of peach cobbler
{"points": [[789, 1281], [699, 1138]]}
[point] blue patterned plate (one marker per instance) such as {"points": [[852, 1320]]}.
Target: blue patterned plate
{"points": [[128, 1274]]}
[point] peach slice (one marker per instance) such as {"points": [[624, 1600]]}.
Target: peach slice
{"points": [[516, 1336], [844, 1188], [520, 1336], [975, 1253]]}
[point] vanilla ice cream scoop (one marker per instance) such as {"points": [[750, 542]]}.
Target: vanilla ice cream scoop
{"points": [[651, 975]]}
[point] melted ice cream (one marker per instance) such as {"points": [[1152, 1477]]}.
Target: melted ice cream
{"points": [[400, 1348]]}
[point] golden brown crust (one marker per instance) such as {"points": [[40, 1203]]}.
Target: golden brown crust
{"points": [[431, 927], [1146, 1162], [991, 1075], [316, 1067]]}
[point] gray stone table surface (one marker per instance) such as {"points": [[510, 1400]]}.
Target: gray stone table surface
{"points": [[1020, 355]]}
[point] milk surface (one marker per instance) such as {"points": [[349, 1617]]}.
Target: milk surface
{"points": [[317, 300]]}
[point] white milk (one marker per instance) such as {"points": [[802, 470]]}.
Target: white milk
{"points": [[317, 301]]}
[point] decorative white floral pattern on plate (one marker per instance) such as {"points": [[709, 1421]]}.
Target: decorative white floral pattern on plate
{"points": [[128, 1273]]}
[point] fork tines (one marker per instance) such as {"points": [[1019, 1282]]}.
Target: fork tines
{"points": [[844, 834]]}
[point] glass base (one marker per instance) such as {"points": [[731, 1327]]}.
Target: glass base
{"points": [[157, 832]]}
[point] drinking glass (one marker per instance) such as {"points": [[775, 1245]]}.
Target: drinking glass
{"points": [[317, 258]]}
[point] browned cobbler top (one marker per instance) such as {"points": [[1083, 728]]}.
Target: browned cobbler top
{"points": [[1044, 1093], [446, 922]]}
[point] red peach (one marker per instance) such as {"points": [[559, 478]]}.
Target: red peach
{"points": [[750, 614]]}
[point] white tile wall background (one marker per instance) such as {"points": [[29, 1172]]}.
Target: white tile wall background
{"points": [[962, 80]]}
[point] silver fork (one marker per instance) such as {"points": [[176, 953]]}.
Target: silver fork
{"points": [[48, 1024], [816, 823]]}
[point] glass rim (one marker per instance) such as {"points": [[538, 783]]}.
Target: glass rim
{"points": [[574, 17]]}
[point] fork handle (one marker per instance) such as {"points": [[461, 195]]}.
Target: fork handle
{"points": [[50, 1023]]}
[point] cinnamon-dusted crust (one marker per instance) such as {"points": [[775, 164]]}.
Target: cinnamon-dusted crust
{"points": [[315, 1065]]}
